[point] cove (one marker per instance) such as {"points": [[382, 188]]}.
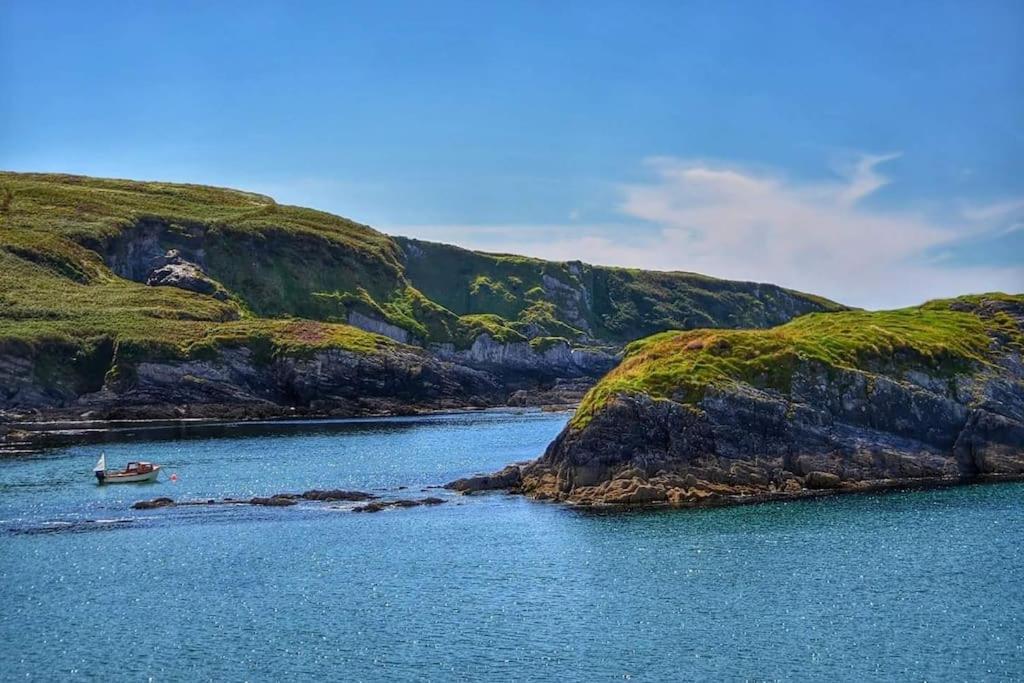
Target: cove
{"points": [[919, 585]]}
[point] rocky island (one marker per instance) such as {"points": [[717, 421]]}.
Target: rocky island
{"points": [[847, 401]]}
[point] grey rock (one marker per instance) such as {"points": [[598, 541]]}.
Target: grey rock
{"points": [[505, 479], [822, 480], [834, 429], [152, 504]]}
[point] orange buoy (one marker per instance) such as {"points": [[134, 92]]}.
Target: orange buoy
{"points": [[174, 477]]}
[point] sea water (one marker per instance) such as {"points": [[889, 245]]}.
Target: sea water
{"points": [[925, 585]]}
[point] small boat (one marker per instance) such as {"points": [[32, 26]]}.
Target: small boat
{"points": [[133, 473]]}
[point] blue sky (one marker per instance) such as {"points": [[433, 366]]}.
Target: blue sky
{"points": [[871, 152]]}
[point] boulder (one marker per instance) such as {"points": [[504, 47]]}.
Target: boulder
{"points": [[273, 501], [337, 495], [155, 503], [822, 480], [508, 478]]}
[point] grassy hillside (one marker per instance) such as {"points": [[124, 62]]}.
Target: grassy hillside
{"points": [[75, 254], [55, 287], [576, 299], [941, 338]]}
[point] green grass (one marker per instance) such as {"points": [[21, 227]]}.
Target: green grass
{"points": [[624, 303], [275, 261], [57, 296], [292, 276], [681, 365]]}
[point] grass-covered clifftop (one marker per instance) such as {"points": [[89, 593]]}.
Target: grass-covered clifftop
{"points": [[940, 338], [58, 241], [76, 255], [573, 299]]}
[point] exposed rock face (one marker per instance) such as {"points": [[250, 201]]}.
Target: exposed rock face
{"points": [[835, 429], [557, 360], [177, 272], [574, 300], [238, 383], [140, 255], [328, 381], [365, 322]]}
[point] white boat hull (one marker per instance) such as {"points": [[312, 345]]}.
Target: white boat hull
{"points": [[111, 477]]}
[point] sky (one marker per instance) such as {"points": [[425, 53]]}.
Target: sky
{"points": [[870, 152]]}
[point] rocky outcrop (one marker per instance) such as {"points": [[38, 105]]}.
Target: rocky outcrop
{"points": [[141, 253], [900, 423], [572, 300], [237, 382], [508, 478], [365, 322], [328, 381], [380, 506], [558, 359], [183, 274]]}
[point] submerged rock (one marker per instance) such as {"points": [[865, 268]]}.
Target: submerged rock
{"points": [[822, 480], [378, 506], [337, 495], [155, 503], [273, 501], [289, 499]]}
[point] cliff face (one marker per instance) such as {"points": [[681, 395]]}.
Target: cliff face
{"points": [[238, 381], [847, 401], [123, 296]]}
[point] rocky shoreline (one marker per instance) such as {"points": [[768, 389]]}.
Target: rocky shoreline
{"points": [[637, 492], [904, 416]]}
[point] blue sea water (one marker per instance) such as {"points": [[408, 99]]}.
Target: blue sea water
{"points": [[924, 585]]}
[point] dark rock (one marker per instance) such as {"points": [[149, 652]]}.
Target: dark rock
{"points": [[822, 480], [370, 507], [273, 501], [505, 479], [155, 503], [337, 495], [378, 506]]}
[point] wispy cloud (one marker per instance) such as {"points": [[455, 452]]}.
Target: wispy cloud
{"points": [[995, 211], [863, 177], [755, 224]]}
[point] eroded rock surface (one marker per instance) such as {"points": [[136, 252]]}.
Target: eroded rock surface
{"points": [[893, 422]]}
